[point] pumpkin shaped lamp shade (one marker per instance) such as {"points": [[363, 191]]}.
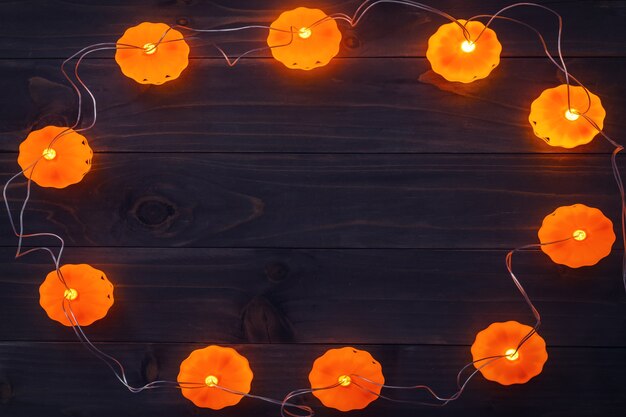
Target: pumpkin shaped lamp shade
{"points": [[583, 235], [559, 125], [304, 38], [456, 58], [345, 367], [55, 157], [211, 368], [515, 366], [152, 53], [90, 294]]}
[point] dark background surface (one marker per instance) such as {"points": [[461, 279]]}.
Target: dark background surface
{"points": [[367, 203]]}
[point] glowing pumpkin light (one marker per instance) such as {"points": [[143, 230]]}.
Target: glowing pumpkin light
{"points": [[148, 57], [304, 38], [211, 368], [515, 366], [456, 58], [559, 125], [344, 366], [583, 235], [90, 294], [62, 163]]}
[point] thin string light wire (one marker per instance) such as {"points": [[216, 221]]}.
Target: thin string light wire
{"points": [[563, 68], [353, 21], [282, 403], [368, 5], [297, 393], [121, 376], [620, 185], [488, 360], [229, 61], [112, 363], [20, 234]]}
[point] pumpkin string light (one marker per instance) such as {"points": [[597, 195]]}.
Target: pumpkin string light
{"points": [[168, 35]]}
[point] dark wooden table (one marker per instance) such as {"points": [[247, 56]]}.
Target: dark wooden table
{"points": [[367, 203]]}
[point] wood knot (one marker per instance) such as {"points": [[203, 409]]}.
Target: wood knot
{"points": [[150, 368], [265, 323], [154, 211], [54, 102], [276, 271], [6, 392], [351, 42]]}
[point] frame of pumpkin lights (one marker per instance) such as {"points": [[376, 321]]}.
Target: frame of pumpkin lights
{"points": [[345, 378]]}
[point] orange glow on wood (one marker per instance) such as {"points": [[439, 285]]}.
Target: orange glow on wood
{"points": [[90, 295], [589, 235], [457, 59], [152, 62], [557, 125], [214, 367], [500, 339], [344, 366], [63, 163], [314, 42]]}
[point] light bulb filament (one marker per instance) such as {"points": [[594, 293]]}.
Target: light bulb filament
{"points": [[468, 46], [572, 114], [49, 154], [211, 381], [344, 380], [512, 354], [579, 235], [70, 294], [149, 48], [304, 32]]}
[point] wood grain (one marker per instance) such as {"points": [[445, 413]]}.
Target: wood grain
{"points": [[323, 296], [351, 106], [389, 30], [592, 378], [315, 201], [367, 203]]}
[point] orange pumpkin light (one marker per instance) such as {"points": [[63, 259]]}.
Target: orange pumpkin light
{"points": [[455, 58], [502, 339], [154, 60], [559, 125], [215, 367], [304, 38], [62, 163], [344, 366], [587, 235], [90, 294]]}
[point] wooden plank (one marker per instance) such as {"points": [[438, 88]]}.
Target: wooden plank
{"points": [[323, 296], [314, 201], [592, 28], [86, 387], [358, 105]]}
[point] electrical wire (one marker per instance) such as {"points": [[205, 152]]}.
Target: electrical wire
{"points": [[118, 369]]}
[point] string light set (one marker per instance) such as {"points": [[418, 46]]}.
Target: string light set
{"points": [[346, 378]]}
